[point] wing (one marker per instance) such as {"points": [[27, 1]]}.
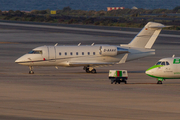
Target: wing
{"points": [[89, 63], [123, 60]]}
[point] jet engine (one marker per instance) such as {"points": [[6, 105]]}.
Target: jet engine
{"points": [[111, 50]]}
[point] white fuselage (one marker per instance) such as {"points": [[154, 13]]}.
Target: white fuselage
{"points": [[166, 68], [80, 55]]}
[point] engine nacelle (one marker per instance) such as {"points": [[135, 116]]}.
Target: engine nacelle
{"points": [[112, 50], [108, 50]]}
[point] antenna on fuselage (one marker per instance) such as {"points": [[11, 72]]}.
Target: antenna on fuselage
{"points": [[79, 44], [173, 56], [92, 44], [56, 44]]}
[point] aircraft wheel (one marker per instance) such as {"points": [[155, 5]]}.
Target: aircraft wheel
{"points": [[87, 70], [125, 82], [115, 82], [93, 71], [159, 82], [31, 72], [119, 82]]}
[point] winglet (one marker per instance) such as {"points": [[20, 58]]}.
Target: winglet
{"points": [[123, 60]]}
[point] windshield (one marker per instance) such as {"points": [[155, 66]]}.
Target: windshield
{"points": [[158, 63], [35, 52], [162, 63]]}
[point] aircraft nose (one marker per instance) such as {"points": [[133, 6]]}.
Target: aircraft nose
{"points": [[18, 60], [148, 72], [21, 59]]}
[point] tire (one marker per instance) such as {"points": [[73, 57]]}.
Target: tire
{"points": [[87, 70], [93, 71], [159, 82], [31, 72]]}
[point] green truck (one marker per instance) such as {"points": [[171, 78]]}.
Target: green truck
{"points": [[118, 76]]}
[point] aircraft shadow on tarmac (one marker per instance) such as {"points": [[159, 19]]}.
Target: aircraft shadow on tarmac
{"points": [[141, 83]]}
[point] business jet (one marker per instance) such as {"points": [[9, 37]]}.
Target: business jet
{"points": [[92, 56], [166, 68]]}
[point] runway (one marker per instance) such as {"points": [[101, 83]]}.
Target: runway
{"points": [[70, 93]]}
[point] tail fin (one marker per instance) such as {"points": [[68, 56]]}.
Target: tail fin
{"points": [[147, 36]]}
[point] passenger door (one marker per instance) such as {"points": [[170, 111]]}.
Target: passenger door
{"points": [[51, 53]]}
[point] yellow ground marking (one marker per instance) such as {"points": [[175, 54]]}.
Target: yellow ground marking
{"points": [[8, 43]]}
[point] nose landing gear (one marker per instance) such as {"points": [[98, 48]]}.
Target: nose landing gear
{"points": [[159, 80], [31, 70]]}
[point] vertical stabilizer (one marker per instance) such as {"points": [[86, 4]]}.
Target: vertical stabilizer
{"points": [[147, 36]]}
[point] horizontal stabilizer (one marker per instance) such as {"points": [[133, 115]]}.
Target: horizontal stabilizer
{"points": [[157, 26]]}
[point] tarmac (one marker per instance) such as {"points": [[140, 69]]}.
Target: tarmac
{"points": [[70, 93]]}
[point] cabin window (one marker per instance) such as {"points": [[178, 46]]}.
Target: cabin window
{"points": [[65, 53], [71, 53], [35, 52], [60, 53], [94, 53], [88, 53], [76, 53], [82, 53]]}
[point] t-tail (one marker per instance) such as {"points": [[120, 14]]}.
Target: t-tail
{"points": [[147, 36]]}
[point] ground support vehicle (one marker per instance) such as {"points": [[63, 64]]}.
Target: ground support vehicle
{"points": [[118, 76]]}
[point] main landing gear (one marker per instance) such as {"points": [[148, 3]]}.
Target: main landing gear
{"points": [[31, 70], [89, 69]]}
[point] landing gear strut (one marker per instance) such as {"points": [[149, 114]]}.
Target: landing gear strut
{"points": [[89, 69], [31, 70]]}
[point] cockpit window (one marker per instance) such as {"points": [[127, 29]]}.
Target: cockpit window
{"points": [[163, 63], [35, 52], [158, 63], [167, 63]]}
